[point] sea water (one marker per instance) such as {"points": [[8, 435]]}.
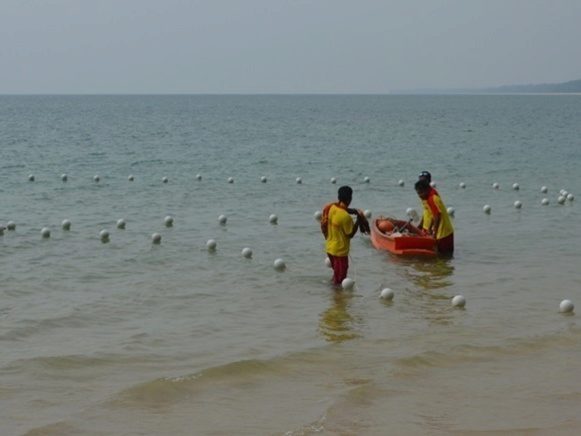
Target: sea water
{"points": [[133, 338]]}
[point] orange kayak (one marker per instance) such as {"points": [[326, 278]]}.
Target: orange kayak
{"points": [[401, 238]]}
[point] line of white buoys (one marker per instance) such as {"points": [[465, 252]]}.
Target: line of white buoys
{"points": [[517, 204], [366, 179], [64, 177], [211, 244], [386, 294], [299, 180], [222, 219], [104, 236], [156, 238], [544, 189], [495, 185], [566, 306], [333, 180], [487, 209], [570, 197], [463, 185], [198, 177], [273, 219], [328, 262], [451, 211], [11, 225], [279, 265], [131, 177], [459, 301], [367, 213], [121, 224], [401, 183], [515, 186], [561, 199], [168, 221], [66, 225], [263, 179], [318, 215], [247, 252], [31, 177], [545, 201], [164, 179], [347, 284], [230, 180], [45, 232], [96, 178]]}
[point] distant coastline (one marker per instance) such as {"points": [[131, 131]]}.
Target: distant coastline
{"points": [[572, 87]]}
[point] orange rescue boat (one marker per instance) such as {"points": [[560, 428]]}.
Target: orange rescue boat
{"points": [[401, 238]]}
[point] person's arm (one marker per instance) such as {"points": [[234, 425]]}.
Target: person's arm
{"points": [[435, 225], [355, 228]]}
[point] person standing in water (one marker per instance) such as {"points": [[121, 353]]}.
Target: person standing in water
{"points": [[435, 220], [338, 228]]}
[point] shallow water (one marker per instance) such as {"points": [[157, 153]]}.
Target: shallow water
{"points": [[131, 338]]}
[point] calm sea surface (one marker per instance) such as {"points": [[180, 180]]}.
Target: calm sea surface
{"points": [[130, 338]]}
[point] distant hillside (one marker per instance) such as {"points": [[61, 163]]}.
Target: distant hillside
{"points": [[572, 86]]}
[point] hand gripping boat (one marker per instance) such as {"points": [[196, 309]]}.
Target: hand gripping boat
{"points": [[401, 238]]}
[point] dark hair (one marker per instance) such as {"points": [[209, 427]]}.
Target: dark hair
{"points": [[425, 175], [345, 193], [422, 185]]}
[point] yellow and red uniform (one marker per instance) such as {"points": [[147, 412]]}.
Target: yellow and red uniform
{"points": [[434, 207], [337, 226]]}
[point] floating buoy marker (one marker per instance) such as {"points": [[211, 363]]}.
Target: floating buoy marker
{"points": [[121, 224], [517, 204], [367, 213], [64, 177], [222, 219], [96, 178], [544, 189], [66, 225], [496, 185], [11, 225], [164, 179], [347, 284], [247, 253], [318, 215], [451, 211], [515, 186], [458, 301], [156, 238], [386, 294], [487, 209], [566, 306], [198, 177], [131, 177], [333, 180], [545, 201], [211, 245], [45, 232], [279, 265], [168, 221], [273, 219], [299, 180], [463, 185], [31, 177], [104, 236], [263, 179], [401, 182]]}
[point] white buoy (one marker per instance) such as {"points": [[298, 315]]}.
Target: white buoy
{"points": [[545, 201], [45, 232], [386, 294], [299, 180], [222, 219], [433, 184], [230, 180], [487, 209], [401, 182], [365, 179], [496, 185], [156, 238], [11, 225], [131, 177], [104, 236], [318, 215], [279, 265], [570, 197], [168, 221], [463, 185], [64, 177], [328, 262], [247, 253], [198, 177], [517, 204], [566, 306], [459, 301], [561, 199], [451, 211], [367, 213], [211, 244], [121, 224], [31, 177], [563, 193], [544, 189], [347, 284], [515, 186], [96, 178], [66, 225], [411, 213], [333, 180], [273, 219], [263, 179], [164, 179]]}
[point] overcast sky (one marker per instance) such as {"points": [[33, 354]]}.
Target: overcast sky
{"points": [[284, 46]]}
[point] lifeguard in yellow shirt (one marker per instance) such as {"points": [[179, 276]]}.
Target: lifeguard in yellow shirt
{"points": [[436, 220]]}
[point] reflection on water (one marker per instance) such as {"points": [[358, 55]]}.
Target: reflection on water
{"points": [[428, 273], [336, 323]]}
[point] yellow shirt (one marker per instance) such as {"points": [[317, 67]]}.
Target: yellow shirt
{"points": [[433, 207], [339, 227]]}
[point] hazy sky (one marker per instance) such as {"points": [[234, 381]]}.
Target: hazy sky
{"points": [[281, 46]]}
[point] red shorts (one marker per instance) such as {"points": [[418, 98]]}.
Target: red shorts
{"points": [[446, 245], [340, 265]]}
